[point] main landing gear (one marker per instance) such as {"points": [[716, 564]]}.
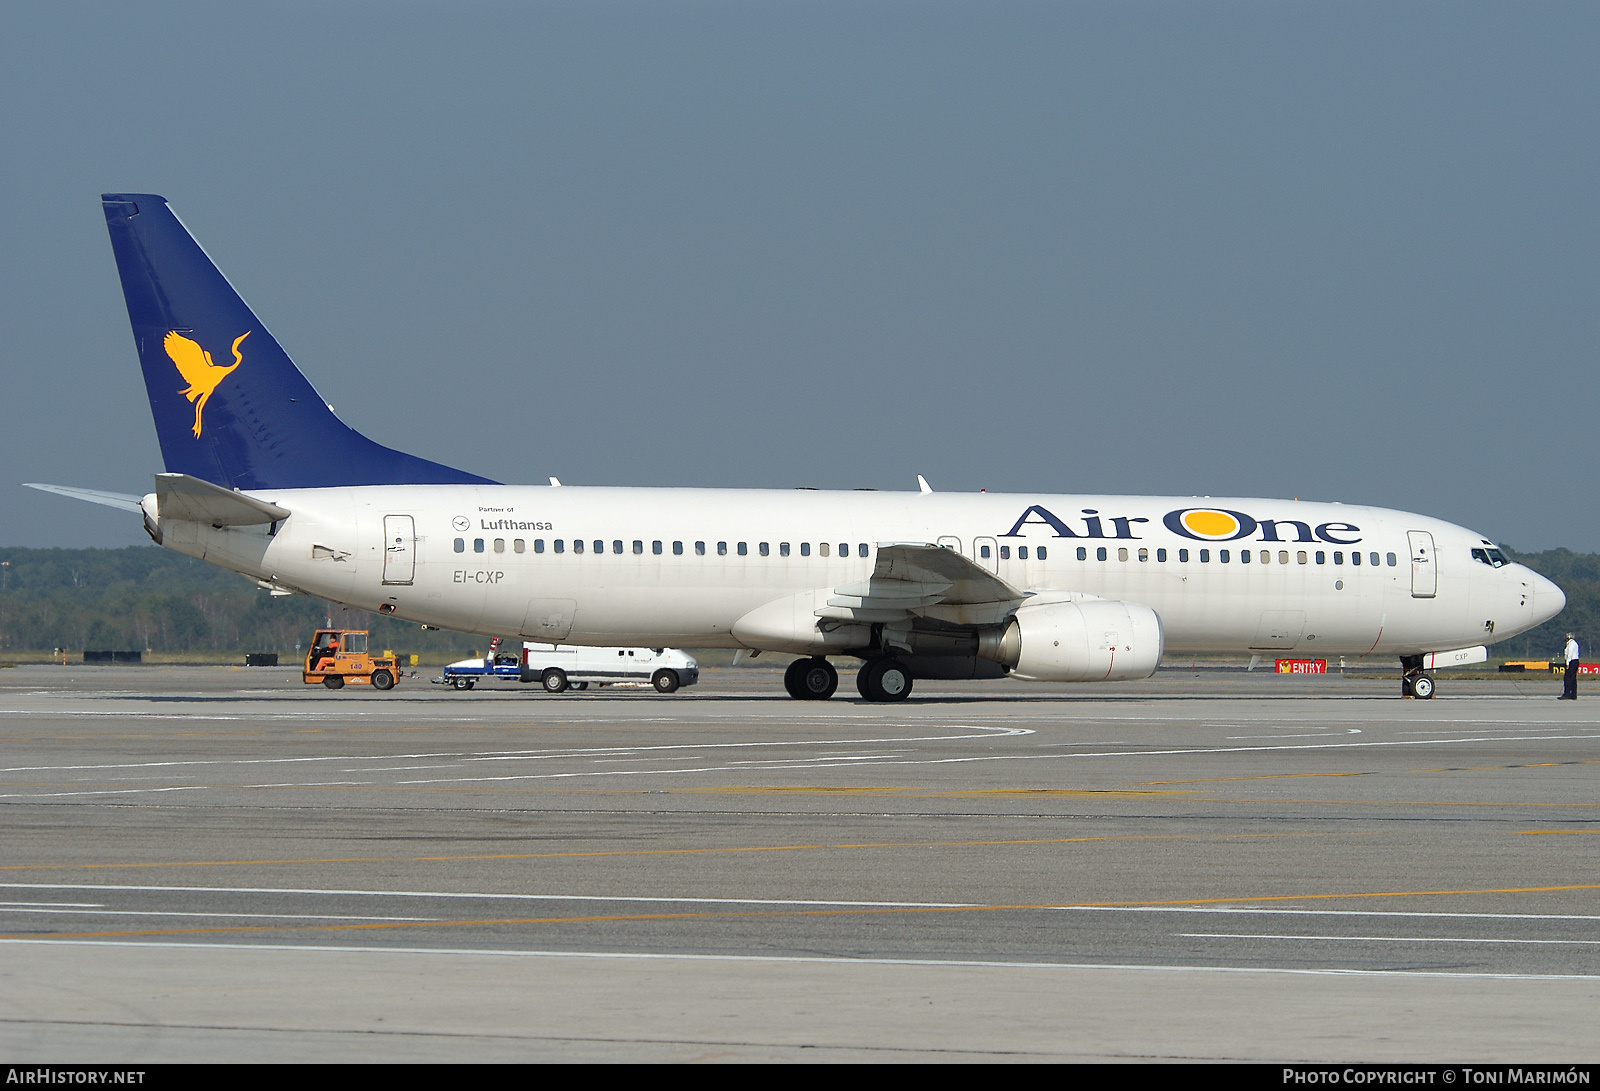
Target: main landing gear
{"points": [[1414, 681], [884, 680], [815, 679], [811, 679]]}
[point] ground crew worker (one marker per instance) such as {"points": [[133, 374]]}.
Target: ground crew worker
{"points": [[1569, 684]]}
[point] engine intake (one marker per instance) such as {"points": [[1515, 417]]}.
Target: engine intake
{"points": [[1095, 640]]}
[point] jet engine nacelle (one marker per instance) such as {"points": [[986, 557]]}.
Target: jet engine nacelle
{"points": [[1092, 640]]}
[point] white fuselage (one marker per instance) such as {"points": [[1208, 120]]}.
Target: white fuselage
{"points": [[692, 562]]}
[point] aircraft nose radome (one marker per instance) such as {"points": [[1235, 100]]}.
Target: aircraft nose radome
{"points": [[1548, 599]]}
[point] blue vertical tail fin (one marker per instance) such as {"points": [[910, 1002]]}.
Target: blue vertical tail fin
{"points": [[230, 406]]}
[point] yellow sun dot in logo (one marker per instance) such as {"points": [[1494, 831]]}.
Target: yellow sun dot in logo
{"points": [[1211, 524]]}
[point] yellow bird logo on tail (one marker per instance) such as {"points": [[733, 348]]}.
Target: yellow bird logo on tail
{"points": [[194, 364]]}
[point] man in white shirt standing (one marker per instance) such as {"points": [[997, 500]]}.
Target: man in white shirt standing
{"points": [[1569, 686]]}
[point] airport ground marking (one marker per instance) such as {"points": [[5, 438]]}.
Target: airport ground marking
{"points": [[461, 895], [823, 960], [1391, 939], [1261, 776], [718, 850], [747, 914]]}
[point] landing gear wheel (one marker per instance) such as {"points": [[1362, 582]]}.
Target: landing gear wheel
{"points": [[462, 684], [1422, 686], [665, 681], [580, 685], [811, 679], [791, 679], [382, 680], [818, 679], [333, 681], [554, 680], [884, 680]]}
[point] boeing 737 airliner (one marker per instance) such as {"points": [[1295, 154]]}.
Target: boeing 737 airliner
{"points": [[263, 479]]}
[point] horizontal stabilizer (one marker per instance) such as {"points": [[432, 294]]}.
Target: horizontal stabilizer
{"points": [[179, 496], [94, 496]]}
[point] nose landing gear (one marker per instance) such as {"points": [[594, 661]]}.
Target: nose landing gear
{"points": [[1414, 681]]}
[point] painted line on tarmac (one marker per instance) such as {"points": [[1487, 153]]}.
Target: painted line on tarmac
{"points": [[617, 918], [736, 850], [1387, 939], [542, 754], [341, 892], [819, 960], [780, 764], [476, 895]]}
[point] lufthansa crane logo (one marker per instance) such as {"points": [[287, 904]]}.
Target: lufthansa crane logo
{"points": [[194, 364]]}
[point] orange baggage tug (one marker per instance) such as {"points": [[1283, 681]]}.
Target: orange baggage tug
{"points": [[339, 657]]}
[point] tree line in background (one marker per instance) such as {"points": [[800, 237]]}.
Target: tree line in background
{"points": [[144, 598], [147, 598]]}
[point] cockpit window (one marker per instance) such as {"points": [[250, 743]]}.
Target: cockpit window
{"points": [[1491, 556]]}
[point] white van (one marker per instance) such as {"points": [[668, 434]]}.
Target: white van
{"points": [[558, 666]]}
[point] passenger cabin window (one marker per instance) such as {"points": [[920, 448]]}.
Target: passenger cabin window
{"points": [[655, 547], [1373, 559], [844, 549], [1205, 556], [1338, 557], [699, 549], [861, 550], [983, 551], [1083, 554], [1122, 554], [561, 545], [1355, 558], [616, 546], [499, 545], [722, 549], [538, 545], [519, 546], [1389, 559], [638, 546], [1222, 556], [783, 549], [1043, 553], [677, 549], [461, 545], [477, 545], [577, 545], [1144, 554], [1183, 556], [1100, 554], [1161, 556], [744, 550], [1322, 557], [805, 549], [1022, 553], [1005, 553], [1300, 557], [765, 550], [1244, 556], [822, 548]]}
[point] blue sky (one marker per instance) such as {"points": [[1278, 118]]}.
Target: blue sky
{"points": [[1333, 251]]}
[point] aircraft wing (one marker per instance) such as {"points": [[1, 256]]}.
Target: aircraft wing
{"points": [[918, 579]]}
